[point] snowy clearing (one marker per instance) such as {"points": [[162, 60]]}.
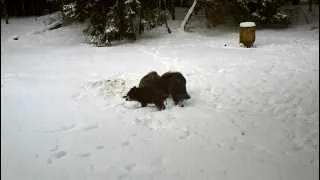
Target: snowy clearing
{"points": [[253, 113]]}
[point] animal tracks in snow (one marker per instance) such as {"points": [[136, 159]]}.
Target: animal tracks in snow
{"points": [[105, 88], [56, 156], [60, 154], [85, 155], [79, 126], [62, 129], [110, 90], [90, 127], [55, 148], [99, 147]]}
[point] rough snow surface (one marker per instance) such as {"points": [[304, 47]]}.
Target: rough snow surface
{"points": [[253, 113], [247, 24]]}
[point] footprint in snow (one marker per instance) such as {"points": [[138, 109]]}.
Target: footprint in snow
{"points": [[59, 154], [49, 161], [99, 147], [55, 148], [69, 127], [84, 155], [90, 127], [185, 135], [62, 129], [125, 143], [130, 167]]}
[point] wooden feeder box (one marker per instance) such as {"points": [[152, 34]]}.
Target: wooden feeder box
{"points": [[247, 34]]}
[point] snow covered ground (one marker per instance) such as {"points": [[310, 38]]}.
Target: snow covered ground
{"points": [[253, 113]]}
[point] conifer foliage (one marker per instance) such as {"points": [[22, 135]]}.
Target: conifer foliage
{"points": [[111, 20], [263, 12]]}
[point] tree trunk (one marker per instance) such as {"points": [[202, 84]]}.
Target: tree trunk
{"points": [[305, 16], [33, 8], [166, 23], [172, 9], [137, 23], [206, 13], [23, 8], [187, 17], [309, 5], [313, 16], [120, 9], [5, 12], [164, 17]]}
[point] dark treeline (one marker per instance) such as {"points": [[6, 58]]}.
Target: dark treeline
{"points": [[27, 7], [40, 7]]}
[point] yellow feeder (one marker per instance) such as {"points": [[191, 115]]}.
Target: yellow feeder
{"points": [[247, 33]]}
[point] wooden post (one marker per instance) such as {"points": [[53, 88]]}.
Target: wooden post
{"points": [[247, 33]]}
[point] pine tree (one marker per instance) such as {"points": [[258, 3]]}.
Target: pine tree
{"points": [[263, 12], [116, 19]]}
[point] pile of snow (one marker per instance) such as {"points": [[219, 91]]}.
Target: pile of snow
{"points": [[51, 18], [247, 24]]}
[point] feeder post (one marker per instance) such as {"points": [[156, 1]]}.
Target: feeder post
{"points": [[247, 34]]}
